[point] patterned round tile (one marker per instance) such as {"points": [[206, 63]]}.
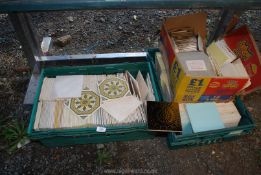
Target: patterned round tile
{"points": [[113, 88], [86, 104]]}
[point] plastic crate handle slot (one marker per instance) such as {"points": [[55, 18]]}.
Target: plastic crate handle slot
{"points": [[206, 141]]}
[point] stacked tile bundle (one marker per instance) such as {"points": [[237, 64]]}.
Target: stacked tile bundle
{"points": [[75, 101]]}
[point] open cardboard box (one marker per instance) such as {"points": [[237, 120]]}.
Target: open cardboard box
{"points": [[238, 126], [187, 88]]}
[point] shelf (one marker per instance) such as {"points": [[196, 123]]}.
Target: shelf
{"points": [[7, 6], [86, 59]]}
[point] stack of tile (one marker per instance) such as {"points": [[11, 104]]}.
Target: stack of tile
{"points": [[163, 117], [185, 122], [185, 40], [199, 117], [204, 116], [164, 79], [229, 114], [225, 62], [93, 100], [196, 63]]}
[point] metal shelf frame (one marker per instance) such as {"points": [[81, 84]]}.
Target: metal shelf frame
{"points": [[19, 15]]}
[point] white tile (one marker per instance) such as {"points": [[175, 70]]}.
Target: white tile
{"points": [[68, 86], [142, 86], [150, 96], [229, 114], [121, 108]]}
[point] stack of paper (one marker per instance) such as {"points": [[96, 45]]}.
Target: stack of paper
{"points": [[196, 63]]}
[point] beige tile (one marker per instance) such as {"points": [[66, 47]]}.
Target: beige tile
{"points": [[143, 88], [68, 86], [122, 107], [47, 90]]}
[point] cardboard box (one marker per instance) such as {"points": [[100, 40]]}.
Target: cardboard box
{"points": [[187, 88], [242, 43]]}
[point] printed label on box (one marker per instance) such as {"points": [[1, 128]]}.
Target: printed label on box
{"points": [[205, 98], [192, 89], [243, 45], [196, 65], [177, 75], [224, 86]]}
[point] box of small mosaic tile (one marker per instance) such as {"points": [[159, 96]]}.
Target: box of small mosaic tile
{"points": [[93, 104]]}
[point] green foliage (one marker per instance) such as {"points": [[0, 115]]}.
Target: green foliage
{"points": [[103, 156], [13, 133], [2, 123]]}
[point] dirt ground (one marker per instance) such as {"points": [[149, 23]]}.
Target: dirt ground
{"points": [[115, 31]]}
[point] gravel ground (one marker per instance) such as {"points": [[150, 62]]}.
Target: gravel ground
{"points": [[115, 31]]}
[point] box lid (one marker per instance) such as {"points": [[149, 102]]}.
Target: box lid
{"points": [[197, 22], [242, 43]]}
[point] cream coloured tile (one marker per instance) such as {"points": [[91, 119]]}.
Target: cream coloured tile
{"points": [[122, 107], [68, 86], [47, 92], [143, 88]]}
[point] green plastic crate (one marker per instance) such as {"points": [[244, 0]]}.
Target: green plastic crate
{"points": [[61, 137], [246, 125]]}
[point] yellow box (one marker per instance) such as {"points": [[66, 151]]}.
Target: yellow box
{"points": [[187, 88]]}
